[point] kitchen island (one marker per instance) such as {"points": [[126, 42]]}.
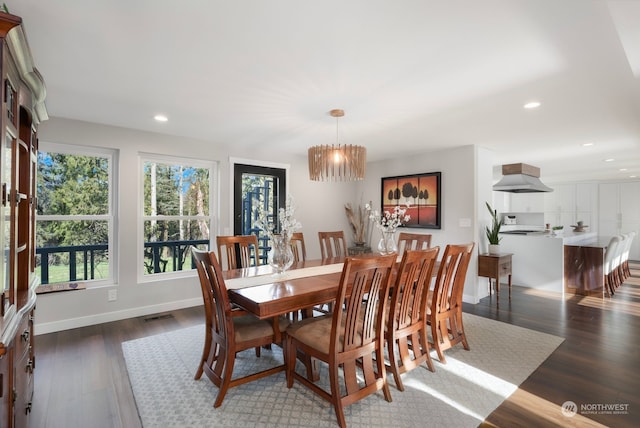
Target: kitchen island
{"points": [[538, 258], [584, 267]]}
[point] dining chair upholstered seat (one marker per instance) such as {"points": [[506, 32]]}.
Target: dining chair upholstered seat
{"points": [[413, 241], [332, 244], [406, 328], [229, 330], [239, 251], [350, 340], [444, 303]]}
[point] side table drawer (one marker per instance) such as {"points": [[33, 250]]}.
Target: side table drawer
{"points": [[505, 268]]}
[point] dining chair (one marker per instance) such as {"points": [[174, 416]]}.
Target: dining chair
{"points": [[625, 254], [298, 248], [332, 244], [229, 330], [238, 251], [413, 241], [406, 327], [610, 254], [444, 313], [350, 338]]}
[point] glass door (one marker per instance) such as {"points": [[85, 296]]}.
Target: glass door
{"points": [[257, 188]]}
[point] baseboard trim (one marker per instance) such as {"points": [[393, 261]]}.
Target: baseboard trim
{"points": [[67, 324]]}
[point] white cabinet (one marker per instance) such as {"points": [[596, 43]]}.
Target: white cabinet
{"points": [[570, 203], [619, 211], [527, 202]]}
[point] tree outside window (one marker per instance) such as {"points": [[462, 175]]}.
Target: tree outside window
{"points": [[74, 219], [176, 213]]}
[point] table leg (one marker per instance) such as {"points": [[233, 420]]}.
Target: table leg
{"points": [[497, 290], [509, 287]]}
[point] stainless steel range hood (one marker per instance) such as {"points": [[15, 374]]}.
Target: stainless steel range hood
{"points": [[520, 178]]}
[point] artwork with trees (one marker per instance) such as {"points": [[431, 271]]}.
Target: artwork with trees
{"points": [[420, 192]]}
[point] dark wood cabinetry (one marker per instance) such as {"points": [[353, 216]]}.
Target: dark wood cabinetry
{"points": [[22, 110]]}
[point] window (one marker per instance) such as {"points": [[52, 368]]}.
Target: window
{"points": [[176, 212], [74, 221]]}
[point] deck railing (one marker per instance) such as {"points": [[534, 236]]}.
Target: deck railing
{"points": [[88, 257]]}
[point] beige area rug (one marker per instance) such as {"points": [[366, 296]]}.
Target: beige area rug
{"points": [[461, 393]]}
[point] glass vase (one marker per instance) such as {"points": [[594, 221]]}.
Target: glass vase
{"points": [[388, 243], [280, 255]]}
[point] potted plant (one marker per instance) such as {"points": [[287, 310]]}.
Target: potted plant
{"points": [[493, 231]]}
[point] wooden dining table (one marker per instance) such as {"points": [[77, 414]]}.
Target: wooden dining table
{"points": [[277, 294], [308, 284], [280, 295]]}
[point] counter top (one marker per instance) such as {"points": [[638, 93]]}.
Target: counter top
{"points": [[596, 241], [565, 236]]}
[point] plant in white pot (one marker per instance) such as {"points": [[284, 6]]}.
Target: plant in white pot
{"points": [[493, 232]]}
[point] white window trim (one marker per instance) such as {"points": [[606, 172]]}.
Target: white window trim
{"points": [[112, 155], [213, 207]]}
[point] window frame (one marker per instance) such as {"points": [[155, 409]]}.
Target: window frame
{"points": [[212, 166], [110, 217]]}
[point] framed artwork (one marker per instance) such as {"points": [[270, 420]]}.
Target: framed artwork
{"points": [[421, 192]]}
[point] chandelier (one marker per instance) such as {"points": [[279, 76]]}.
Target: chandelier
{"points": [[337, 162]]}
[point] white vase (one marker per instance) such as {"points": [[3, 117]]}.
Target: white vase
{"points": [[494, 248]]}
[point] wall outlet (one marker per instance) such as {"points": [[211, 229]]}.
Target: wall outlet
{"points": [[112, 295]]}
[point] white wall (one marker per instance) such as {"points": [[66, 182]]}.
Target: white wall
{"points": [[464, 170], [320, 206]]}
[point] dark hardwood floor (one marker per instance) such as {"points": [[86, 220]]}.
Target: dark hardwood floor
{"points": [[81, 379]]}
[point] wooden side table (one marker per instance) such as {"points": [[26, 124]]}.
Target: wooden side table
{"points": [[493, 266]]}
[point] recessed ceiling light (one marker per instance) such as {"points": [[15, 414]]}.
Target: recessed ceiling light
{"points": [[588, 145], [160, 118], [532, 104], [622, 169], [609, 160], [632, 176]]}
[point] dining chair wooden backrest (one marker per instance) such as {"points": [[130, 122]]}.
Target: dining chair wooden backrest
{"points": [[413, 241], [298, 248], [228, 329], [332, 244], [351, 338], [445, 306], [239, 251], [406, 331]]}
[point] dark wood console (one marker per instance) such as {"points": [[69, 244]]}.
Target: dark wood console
{"points": [[23, 108], [493, 266]]}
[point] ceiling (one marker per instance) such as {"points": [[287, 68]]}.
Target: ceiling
{"points": [[413, 76]]}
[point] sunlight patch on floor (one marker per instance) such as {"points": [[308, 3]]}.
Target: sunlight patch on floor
{"points": [[551, 412], [546, 294], [420, 386], [630, 308], [487, 381]]}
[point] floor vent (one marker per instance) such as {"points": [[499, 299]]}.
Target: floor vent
{"points": [[158, 317]]}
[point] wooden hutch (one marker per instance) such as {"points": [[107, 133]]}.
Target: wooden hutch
{"points": [[23, 108]]}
